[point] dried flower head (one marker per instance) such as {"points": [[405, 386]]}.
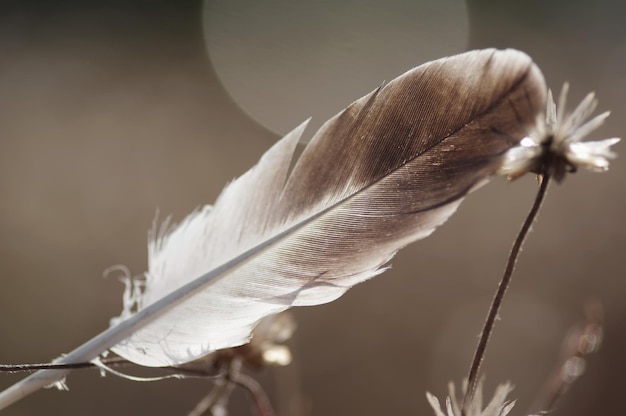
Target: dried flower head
{"points": [[269, 335], [555, 147], [498, 406]]}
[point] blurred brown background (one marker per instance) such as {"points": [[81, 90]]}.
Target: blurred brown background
{"points": [[110, 110]]}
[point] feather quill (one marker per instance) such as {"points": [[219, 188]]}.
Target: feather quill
{"points": [[384, 172]]}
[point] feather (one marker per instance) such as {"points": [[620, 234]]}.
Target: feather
{"points": [[384, 172]]}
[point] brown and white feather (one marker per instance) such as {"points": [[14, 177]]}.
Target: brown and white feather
{"points": [[383, 173]]}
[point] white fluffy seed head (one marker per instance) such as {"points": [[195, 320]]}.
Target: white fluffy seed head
{"points": [[555, 143]]}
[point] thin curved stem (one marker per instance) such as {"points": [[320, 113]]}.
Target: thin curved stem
{"points": [[494, 309], [16, 368]]}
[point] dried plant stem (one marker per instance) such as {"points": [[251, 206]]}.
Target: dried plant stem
{"points": [[220, 393], [225, 381], [494, 309], [583, 339], [261, 402], [15, 368], [183, 372], [218, 396]]}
